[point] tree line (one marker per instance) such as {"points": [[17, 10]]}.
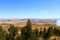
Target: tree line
{"points": [[28, 34]]}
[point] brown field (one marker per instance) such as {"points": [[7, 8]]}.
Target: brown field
{"points": [[21, 23]]}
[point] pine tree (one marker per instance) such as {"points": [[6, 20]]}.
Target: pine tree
{"points": [[26, 31], [44, 35], [50, 32], [36, 31], [41, 32], [2, 34], [12, 33]]}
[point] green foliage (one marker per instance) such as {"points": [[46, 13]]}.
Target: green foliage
{"points": [[50, 32], [47, 33], [41, 32], [23, 33], [36, 32], [12, 33], [2, 34], [28, 34], [56, 32], [28, 25], [26, 31], [44, 35]]}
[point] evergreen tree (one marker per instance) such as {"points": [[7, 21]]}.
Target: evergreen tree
{"points": [[50, 32], [26, 31], [44, 35], [12, 33], [56, 32], [41, 32], [36, 31], [2, 34]]}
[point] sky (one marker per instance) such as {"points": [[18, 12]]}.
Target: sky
{"points": [[10, 9], [20, 9]]}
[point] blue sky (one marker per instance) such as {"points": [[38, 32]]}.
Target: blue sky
{"points": [[29, 9]]}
